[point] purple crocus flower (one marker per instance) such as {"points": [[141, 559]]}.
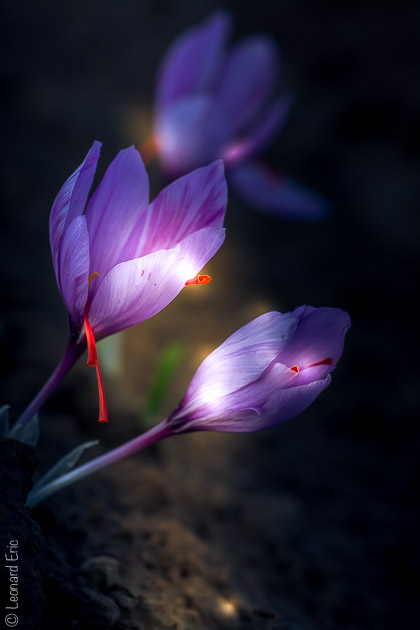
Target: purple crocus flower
{"points": [[119, 260], [218, 102], [265, 373]]}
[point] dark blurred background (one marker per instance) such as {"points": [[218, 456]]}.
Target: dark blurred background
{"points": [[315, 520]]}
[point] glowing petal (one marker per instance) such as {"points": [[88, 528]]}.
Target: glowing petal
{"points": [[137, 289]]}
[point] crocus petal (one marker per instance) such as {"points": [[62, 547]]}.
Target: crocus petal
{"points": [[190, 133], [319, 337], [138, 289], [71, 200], [287, 403], [189, 204], [248, 79], [266, 190], [239, 387], [257, 140], [281, 405], [191, 63], [240, 360], [114, 208], [73, 273]]}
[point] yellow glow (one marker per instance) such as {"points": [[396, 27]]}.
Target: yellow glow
{"points": [[227, 608], [91, 277]]}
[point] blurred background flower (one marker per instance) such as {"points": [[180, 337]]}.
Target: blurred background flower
{"points": [[218, 102]]}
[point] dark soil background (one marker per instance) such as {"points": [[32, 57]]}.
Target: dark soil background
{"points": [[311, 525]]}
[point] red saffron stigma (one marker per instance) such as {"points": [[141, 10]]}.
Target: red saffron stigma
{"points": [[327, 361], [295, 368], [92, 361], [199, 280], [103, 411]]}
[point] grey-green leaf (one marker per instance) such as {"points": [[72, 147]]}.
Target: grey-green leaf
{"points": [[29, 434], [64, 465]]}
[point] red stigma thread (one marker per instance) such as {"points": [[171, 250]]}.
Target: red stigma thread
{"points": [[92, 359], [327, 361], [295, 368], [199, 280]]}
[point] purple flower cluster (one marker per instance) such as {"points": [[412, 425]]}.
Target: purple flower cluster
{"points": [[120, 259]]}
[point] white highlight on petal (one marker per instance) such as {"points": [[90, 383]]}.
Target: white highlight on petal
{"points": [[209, 395], [211, 390], [186, 269]]}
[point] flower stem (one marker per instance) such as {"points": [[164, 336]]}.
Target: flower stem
{"points": [[158, 432], [72, 353]]}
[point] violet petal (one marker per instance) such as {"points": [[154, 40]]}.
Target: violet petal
{"points": [[190, 133], [248, 79], [135, 290], [71, 200], [239, 360], [266, 190], [257, 139], [190, 203], [73, 271], [319, 337], [191, 63], [113, 210]]}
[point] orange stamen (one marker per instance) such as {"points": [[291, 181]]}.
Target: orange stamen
{"points": [[327, 361], [92, 361], [149, 149], [199, 280], [295, 368]]}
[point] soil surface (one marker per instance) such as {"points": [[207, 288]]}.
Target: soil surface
{"points": [[311, 525]]}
